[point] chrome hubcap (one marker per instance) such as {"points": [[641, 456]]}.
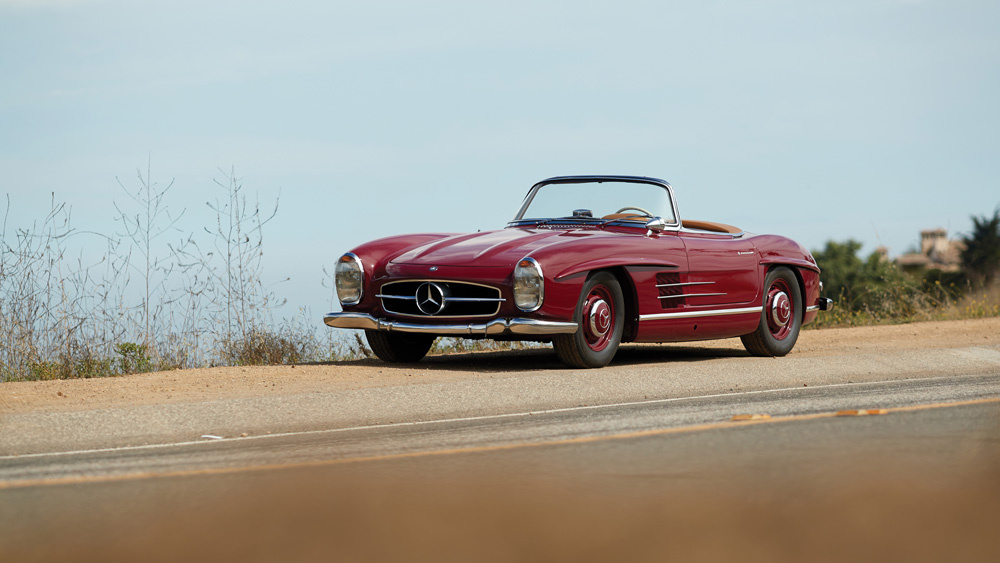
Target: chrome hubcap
{"points": [[600, 318], [781, 309]]}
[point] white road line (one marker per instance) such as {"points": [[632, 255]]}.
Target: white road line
{"points": [[465, 419]]}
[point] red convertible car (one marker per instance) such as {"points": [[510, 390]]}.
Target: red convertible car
{"points": [[587, 263]]}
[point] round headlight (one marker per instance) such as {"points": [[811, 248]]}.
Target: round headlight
{"points": [[529, 285], [349, 278]]}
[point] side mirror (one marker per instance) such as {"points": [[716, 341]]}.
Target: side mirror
{"points": [[656, 224]]}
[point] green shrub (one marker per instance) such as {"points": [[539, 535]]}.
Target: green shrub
{"points": [[133, 358], [875, 291]]}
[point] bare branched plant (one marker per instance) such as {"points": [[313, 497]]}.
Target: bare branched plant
{"points": [[138, 301], [50, 307], [30, 310], [230, 273], [149, 220]]}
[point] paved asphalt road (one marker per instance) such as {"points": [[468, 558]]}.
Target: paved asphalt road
{"points": [[464, 385], [594, 425], [918, 481]]}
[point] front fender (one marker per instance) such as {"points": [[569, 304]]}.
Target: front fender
{"points": [[614, 262]]}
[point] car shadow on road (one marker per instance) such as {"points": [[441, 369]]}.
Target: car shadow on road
{"points": [[544, 358], [656, 353]]}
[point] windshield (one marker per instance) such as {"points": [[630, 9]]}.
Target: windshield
{"points": [[606, 200]]}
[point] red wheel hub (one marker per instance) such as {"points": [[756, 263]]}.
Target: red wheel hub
{"points": [[779, 309], [598, 318]]}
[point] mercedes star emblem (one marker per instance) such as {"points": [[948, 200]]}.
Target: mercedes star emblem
{"points": [[430, 298]]}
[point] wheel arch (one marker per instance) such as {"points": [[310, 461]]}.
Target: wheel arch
{"points": [[630, 297], [596, 347], [797, 271]]}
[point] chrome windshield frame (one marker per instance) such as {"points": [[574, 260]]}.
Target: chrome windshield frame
{"points": [[674, 225]]}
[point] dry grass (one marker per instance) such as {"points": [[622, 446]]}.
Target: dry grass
{"points": [[916, 305], [77, 304]]}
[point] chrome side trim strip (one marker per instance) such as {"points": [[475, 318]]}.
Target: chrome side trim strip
{"points": [[496, 327], [690, 295], [694, 314], [682, 284]]}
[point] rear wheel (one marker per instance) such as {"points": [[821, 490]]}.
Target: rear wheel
{"points": [[600, 316], [781, 318], [399, 347]]}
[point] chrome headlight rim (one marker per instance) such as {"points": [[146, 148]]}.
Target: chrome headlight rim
{"points": [[346, 258], [534, 265]]}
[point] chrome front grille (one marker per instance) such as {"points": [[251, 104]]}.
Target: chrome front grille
{"points": [[439, 299]]}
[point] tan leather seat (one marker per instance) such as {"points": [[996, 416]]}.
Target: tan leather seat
{"points": [[711, 227]]}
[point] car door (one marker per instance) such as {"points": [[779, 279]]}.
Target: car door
{"points": [[722, 270]]}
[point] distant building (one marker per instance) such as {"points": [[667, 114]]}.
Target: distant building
{"points": [[937, 251]]}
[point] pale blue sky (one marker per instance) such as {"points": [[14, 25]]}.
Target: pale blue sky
{"points": [[865, 119]]}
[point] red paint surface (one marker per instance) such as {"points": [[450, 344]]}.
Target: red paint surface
{"points": [[735, 267]]}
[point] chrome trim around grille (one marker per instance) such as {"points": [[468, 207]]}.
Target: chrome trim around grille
{"points": [[414, 280], [496, 327], [455, 299], [447, 299]]}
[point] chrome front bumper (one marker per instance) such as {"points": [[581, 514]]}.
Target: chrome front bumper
{"points": [[496, 327]]}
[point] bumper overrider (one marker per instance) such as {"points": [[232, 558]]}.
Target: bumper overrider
{"points": [[822, 304], [495, 327]]}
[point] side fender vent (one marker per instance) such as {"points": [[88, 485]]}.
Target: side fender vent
{"points": [[669, 289]]}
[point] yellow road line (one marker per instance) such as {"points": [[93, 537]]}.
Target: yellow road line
{"points": [[737, 422]]}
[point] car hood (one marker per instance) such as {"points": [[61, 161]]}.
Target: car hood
{"points": [[487, 249]]}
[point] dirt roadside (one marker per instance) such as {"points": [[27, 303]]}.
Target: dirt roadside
{"points": [[209, 384]]}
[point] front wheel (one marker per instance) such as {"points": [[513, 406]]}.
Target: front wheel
{"points": [[781, 318], [399, 347], [600, 316]]}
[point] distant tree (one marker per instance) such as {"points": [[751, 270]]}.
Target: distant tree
{"points": [[871, 284], [841, 268], [981, 257]]}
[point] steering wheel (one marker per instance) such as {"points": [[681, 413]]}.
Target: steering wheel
{"points": [[647, 213]]}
